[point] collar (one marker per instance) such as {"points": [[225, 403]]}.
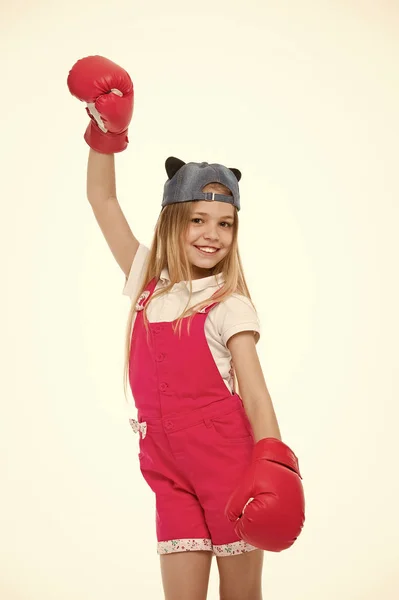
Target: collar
{"points": [[197, 284]]}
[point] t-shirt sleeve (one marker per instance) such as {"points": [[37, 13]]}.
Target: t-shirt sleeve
{"points": [[133, 280], [238, 314]]}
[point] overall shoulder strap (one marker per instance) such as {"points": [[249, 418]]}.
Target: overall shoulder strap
{"points": [[146, 294], [209, 306]]}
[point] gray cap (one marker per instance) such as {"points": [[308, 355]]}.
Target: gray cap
{"points": [[187, 180]]}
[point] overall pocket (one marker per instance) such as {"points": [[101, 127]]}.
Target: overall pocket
{"points": [[233, 427]]}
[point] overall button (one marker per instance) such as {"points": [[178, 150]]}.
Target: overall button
{"points": [[163, 386], [160, 357], [157, 328], [168, 424]]}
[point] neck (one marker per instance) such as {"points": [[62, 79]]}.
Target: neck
{"points": [[198, 273]]}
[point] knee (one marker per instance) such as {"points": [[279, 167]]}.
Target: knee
{"points": [[228, 593]]}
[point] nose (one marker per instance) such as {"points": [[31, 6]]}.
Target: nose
{"points": [[211, 232]]}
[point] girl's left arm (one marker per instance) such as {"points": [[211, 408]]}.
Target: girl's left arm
{"points": [[252, 386]]}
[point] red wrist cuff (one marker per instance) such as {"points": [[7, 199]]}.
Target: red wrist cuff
{"points": [[105, 143], [276, 451]]}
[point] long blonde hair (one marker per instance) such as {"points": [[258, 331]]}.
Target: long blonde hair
{"points": [[168, 250]]}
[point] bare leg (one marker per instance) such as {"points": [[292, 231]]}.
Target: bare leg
{"points": [[185, 575], [241, 576]]}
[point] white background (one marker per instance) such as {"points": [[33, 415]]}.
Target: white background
{"points": [[303, 98]]}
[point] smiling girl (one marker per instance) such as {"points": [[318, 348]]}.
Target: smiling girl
{"points": [[225, 484]]}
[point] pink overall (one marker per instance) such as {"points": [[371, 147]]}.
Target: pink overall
{"points": [[196, 440]]}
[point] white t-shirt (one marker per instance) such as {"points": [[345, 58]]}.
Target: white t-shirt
{"points": [[224, 320]]}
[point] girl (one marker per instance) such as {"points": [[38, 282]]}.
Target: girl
{"points": [[191, 321]]}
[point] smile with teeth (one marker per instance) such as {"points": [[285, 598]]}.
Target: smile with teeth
{"points": [[207, 249]]}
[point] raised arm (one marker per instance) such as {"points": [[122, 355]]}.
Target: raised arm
{"points": [[101, 193], [108, 92]]}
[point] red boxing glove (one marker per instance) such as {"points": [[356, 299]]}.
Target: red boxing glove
{"points": [[268, 507], [108, 91]]}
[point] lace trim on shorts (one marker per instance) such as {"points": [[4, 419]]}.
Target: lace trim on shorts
{"points": [[239, 547], [184, 545], [192, 544]]}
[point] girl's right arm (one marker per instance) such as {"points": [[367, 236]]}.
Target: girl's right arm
{"points": [[108, 92], [101, 193]]}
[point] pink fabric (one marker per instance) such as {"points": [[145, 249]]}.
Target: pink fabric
{"points": [[198, 439]]}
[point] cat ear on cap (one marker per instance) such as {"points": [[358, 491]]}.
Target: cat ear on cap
{"points": [[172, 165], [236, 172]]}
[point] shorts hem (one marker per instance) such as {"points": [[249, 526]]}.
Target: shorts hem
{"points": [[233, 549], [204, 544], [184, 545]]}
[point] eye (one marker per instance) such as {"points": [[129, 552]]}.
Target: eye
{"points": [[196, 219], [228, 224]]}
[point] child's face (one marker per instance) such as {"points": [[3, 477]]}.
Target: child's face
{"points": [[211, 226]]}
